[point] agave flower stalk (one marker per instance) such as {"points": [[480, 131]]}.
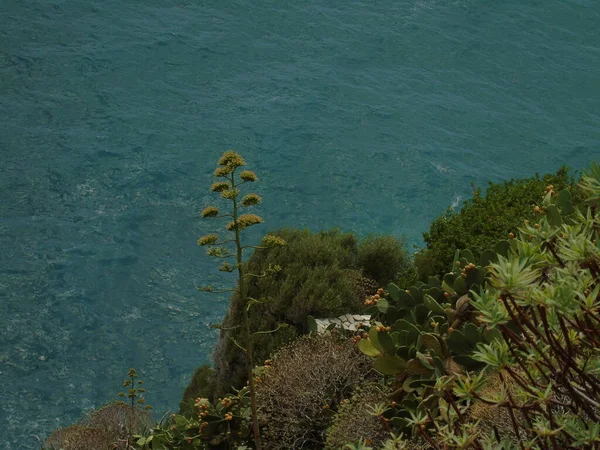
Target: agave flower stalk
{"points": [[229, 188]]}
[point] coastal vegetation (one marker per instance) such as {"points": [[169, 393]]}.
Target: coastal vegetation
{"points": [[488, 339]]}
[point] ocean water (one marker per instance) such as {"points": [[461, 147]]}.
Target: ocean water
{"points": [[371, 115]]}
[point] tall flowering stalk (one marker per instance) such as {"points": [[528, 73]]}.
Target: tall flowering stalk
{"points": [[228, 185]]}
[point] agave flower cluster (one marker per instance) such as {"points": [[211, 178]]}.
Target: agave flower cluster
{"points": [[228, 163]]}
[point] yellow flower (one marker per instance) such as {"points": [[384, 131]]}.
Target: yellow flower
{"points": [[251, 200], [220, 186], [209, 239], [230, 193], [223, 171], [248, 175], [231, 158], [210, 211], [244, 221], [272, 241]]}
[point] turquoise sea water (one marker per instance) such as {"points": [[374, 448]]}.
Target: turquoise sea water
{"points": [[373, 116]]}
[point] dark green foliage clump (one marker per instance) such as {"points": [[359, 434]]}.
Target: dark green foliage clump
{"points": [[384, 259], [322, 274], [484, 220], [202, 385]]}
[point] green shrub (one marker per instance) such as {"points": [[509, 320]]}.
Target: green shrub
{"points": [[304, 385], [484, 220], [539, 312], [201, 385], [321, 275], [103, 428], [384, 259]]}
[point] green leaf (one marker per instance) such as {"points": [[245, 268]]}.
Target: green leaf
{"points": [[383, 305], [389, 365], [312, 324], [394, 292], [421, 314], [472, 334], [460, 286], [564, 202], [492, 334], [387, 342], [487, 257], [502, 248], [458, 343], [447, 288], [432, 305], [367, 347], [553, 215], [374, 337], [415, 367], [430, 342], [468, 255], [392, 314], [407, 300], [416, 293], [547, 199], [435, 292], [467, 361], [434, 282]]}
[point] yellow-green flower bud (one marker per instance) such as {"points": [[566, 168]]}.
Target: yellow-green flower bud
{"points": [[229, 194], [219, 252], [225, 267], [244, 221], [251, 200], [209, 239], [220, 186], [210, 211], [248, 175], [272, 241], [231, 158], [141, 400], [223, 171]]}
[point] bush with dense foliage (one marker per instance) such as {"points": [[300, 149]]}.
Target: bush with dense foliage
{"points": [[537, 307], [322, 275], [485, 219], [304, 385], [105, 428], [202, 385]]}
